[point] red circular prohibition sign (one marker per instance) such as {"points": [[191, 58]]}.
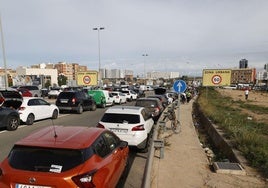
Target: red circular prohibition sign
{"points": [[216, 79], [86, 79]]}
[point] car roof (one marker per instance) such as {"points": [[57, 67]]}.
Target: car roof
{"points": [[148, 99], [68, 137], [124, 109]]}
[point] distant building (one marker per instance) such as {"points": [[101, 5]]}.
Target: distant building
{"points": [[70, 69], [243, 64], [243, 76], [35, 76]]}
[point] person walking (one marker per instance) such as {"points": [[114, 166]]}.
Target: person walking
{"points": [[246, 93]]}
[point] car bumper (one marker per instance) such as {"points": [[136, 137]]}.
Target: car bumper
{"points": [[137, 139]]}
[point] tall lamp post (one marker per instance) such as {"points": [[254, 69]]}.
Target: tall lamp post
{"points": [[144, 55], [4, 55], [98, 29]]}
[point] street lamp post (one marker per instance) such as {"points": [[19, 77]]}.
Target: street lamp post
{"points": [[98, 29], [144, 55], [4, 55]]}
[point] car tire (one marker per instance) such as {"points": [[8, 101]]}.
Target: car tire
{"points": [[79, 109], [55, 114], [93, 107], [12, 123], [30, 119]]}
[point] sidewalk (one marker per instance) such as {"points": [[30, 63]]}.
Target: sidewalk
{"points": [[185, 164]]}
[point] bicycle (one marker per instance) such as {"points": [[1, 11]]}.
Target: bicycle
{"points": [[175, 124]]}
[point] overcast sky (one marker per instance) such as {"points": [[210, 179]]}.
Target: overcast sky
{"points": [[183, 36]]}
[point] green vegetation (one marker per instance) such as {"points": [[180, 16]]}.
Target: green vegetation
{"points": [[249, 136]]}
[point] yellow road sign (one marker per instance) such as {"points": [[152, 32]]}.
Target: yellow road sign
{"points": [[216, 77], [89, 78]]}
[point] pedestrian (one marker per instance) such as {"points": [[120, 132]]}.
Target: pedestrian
{"points": [[188, 96], [246, 93]]}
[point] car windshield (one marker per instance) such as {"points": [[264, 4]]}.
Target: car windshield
{"points": [[47, 159], [121, 118]]}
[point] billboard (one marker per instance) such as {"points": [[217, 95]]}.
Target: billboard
{"points": [[217, 77], [88, 78]]}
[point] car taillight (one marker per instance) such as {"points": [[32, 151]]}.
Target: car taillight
{"points": [[73, 100], [84, 180], [138, 128], [157, 109], [22, 108], [100, 126]]}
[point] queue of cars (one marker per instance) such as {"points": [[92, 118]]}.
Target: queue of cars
{"points": [[73, 156]]}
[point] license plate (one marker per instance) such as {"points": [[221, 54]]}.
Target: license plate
{"points": [[30, 186], [64, 100], [119, 130]]}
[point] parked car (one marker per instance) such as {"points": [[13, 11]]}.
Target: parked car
{"points": [[153, 104], [131, 95], [44, 92], [101, 97], [77, 101], [33, 109], [129, 123], [54, 92], [118, 97], [10, 101], [65, 156], [36, 92], [162, 98], [25, 92]]}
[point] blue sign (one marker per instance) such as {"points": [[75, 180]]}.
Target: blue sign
{"points": [[179, 86]]}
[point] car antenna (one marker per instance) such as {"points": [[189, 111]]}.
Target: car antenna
{"points": [[55, 133]]}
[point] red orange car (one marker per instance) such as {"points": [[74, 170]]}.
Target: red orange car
{"points": [[65, 156]]}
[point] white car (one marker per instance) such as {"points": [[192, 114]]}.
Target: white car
{"points": [[118, 97], [34, 108], [53, 93], [131, 95], [130, 123]]}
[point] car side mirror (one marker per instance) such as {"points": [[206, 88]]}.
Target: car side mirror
{"points": [[123, 144]]}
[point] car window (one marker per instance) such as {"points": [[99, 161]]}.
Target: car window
{"points": [[121, 118], [46, 159], [101, 147], [111, 140], [66, 95], [146, 103], [33, 102], [42, 102]]}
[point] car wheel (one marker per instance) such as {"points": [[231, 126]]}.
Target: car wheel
{"points": [[55, 114], [30, 119], [12, 123], [80, 109], [93, 107]]}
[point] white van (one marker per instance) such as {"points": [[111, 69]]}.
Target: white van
{"points": [[108, 98]]}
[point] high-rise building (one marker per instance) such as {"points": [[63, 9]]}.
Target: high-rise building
{"points": [[243, 63]]}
